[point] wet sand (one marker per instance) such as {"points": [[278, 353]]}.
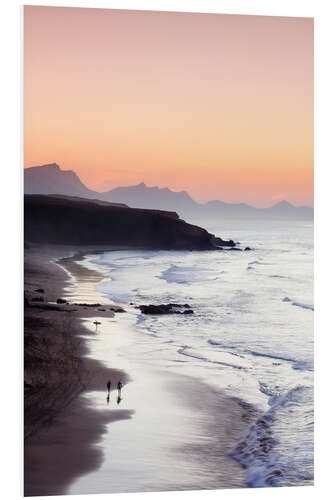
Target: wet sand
{"points": [[59, 432], [168, 433]]}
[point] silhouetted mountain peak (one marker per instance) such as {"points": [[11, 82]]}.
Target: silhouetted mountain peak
{"points": [[143, 196], [48, 167], [283, 204], [50, 179], [283, 207]]}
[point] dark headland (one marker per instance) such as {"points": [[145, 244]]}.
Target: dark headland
{"points": [[76, 221]]}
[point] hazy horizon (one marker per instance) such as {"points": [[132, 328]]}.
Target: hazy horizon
{"points": [[220, 106]]}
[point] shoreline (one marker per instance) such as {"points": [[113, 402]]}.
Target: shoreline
{"points": [[65, 434], [51, 406]]}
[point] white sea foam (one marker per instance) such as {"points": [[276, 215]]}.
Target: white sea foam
{"points": [[223, 358], [298, 304], [186, 275], [303, 306], [262, 449]]}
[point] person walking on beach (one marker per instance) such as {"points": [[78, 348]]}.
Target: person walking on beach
{"points": [[108, 385], [119, 387]]}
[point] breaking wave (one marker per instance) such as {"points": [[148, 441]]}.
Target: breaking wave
{"points": [[264, 454]]}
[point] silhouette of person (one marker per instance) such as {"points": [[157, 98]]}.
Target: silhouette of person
{"points": [[96, 323], [108, 385], [119, 385]]}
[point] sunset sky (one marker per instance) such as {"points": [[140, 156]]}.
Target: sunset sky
{"points": [[218, 105]]}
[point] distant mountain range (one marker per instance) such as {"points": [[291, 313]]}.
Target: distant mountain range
{"points": [[50, 179]]}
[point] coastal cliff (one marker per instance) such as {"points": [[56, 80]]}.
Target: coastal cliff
{"points": [[77, 221]]}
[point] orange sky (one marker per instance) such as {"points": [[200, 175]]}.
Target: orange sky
{"points": [[218, 105]]}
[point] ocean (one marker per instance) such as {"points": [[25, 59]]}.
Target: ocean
{"points": [[251, 334]]}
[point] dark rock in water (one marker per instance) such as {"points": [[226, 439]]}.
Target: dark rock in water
{"points": [[87, 305], [151, 309], [117, 309], [246, 249], [219, 242], [61, 301], [40, 290], [164, 309], [235, 249], [186, 306], [101, 309], [37, 299], [228, 243]]}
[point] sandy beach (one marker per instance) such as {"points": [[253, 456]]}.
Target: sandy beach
{"points": [[56, 372], [169, 432]]}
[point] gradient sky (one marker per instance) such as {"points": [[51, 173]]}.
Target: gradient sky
{"points": [[218, 105]]}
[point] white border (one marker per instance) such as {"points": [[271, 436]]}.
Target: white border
{"points": [[11, 231]]}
